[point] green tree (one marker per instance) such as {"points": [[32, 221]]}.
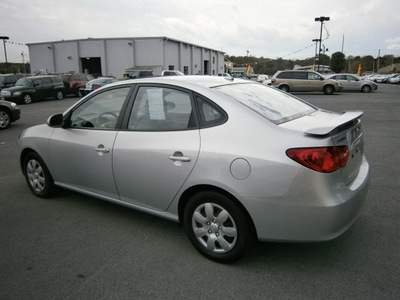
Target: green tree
{"points": [[338, 62]]}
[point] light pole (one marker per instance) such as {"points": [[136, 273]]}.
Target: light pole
{"points": [[4, 38], [23, 61], [315, 55], [320, 19]]}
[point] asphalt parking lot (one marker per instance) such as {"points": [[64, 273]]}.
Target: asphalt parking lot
{"points": [[77, 247]]}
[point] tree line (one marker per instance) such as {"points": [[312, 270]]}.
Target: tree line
{"points": [[338, 63]]}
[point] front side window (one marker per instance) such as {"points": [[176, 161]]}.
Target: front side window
{"points": [[314, 76], [24, 82], [37, 82], [276, 106], [47, 80], [101, 111], [161, 109]]}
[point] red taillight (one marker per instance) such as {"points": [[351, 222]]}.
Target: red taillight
{"points": [[95, 86], [273, 80], [326, 160]]}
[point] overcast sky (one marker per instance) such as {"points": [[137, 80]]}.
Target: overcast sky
{"points": [[268, 28]]}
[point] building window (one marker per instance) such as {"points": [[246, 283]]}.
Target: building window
{"points": [[213, 59], [186, 70], [171, 67]]}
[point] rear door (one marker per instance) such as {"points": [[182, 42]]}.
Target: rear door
{"points": [[155, 155]]}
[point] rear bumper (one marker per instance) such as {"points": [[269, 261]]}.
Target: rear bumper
{"points": [[311, 215]]}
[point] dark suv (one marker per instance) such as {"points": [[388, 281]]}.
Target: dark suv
{"points": [[9, 80], [73, 82], [34, 88]]}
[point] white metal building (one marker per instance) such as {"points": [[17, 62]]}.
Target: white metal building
{"points": [[112, 56]]}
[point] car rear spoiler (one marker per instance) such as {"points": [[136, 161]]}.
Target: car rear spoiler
{"points": [[328, 127]]}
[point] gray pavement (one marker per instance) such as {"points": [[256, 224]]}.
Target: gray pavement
{"points": [[77, 247]]}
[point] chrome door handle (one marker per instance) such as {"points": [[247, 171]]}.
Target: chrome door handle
{"points": [[178, 156], [101, 148]]}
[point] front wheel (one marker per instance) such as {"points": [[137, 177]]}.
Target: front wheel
{"points": [[217, 227], [38, 176], [366, 89], [329, 90], [5, 119], [27, 99]]}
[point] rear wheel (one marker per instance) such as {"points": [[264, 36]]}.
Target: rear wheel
{"points": [[366, 89], [284, 88], [216, 226], [329, 90], [37, 175], [27, 99], [5, 118], [59, 95]]}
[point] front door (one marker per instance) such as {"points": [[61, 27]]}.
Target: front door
{"points": [[83, 152]]}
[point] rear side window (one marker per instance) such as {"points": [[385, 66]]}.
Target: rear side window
{"points": [[300, 75], [210, 114], [56, 79], [285, 75], [276, 106]]}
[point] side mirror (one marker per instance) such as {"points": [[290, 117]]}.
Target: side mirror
{"points": [[55, 120]]}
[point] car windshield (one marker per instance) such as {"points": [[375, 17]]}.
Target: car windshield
{"points": [[24, 82], [276, 106]]}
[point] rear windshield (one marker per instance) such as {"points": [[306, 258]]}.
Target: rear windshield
{"points": [[276, 106]]}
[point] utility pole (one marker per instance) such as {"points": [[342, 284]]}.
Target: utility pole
{"points": [[4, 38], [320, 19]]}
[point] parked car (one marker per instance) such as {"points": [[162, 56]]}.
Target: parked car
{"points": [[395, 79], [226, 158], [304, 81], [242, 75], [9, 80], [224, 75], [34, 88], [262, 77], [138, 74], [95, 84], [9, 112], [73, 83], [171, 73], [352, 82]]}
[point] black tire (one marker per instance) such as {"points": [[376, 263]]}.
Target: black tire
{"points": [[366, 89], [37, 176], [5, 118], [59, 95], [284, 88], [329, 90], [27, 99], [216, 226]]}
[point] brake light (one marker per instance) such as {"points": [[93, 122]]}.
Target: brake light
{"points": [[273, 80], [325, 160], [95, 86]]}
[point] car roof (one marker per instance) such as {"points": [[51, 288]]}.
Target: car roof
{"points": [[189, 80]]}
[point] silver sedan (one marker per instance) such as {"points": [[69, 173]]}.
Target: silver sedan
{"points": [[228, 158], [352, 82]]}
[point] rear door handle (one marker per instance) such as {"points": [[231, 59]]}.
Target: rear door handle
{"points": [[178, 156], [101, 148]]}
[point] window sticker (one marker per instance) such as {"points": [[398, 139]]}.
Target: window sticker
{"points": [[156, 104]]}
